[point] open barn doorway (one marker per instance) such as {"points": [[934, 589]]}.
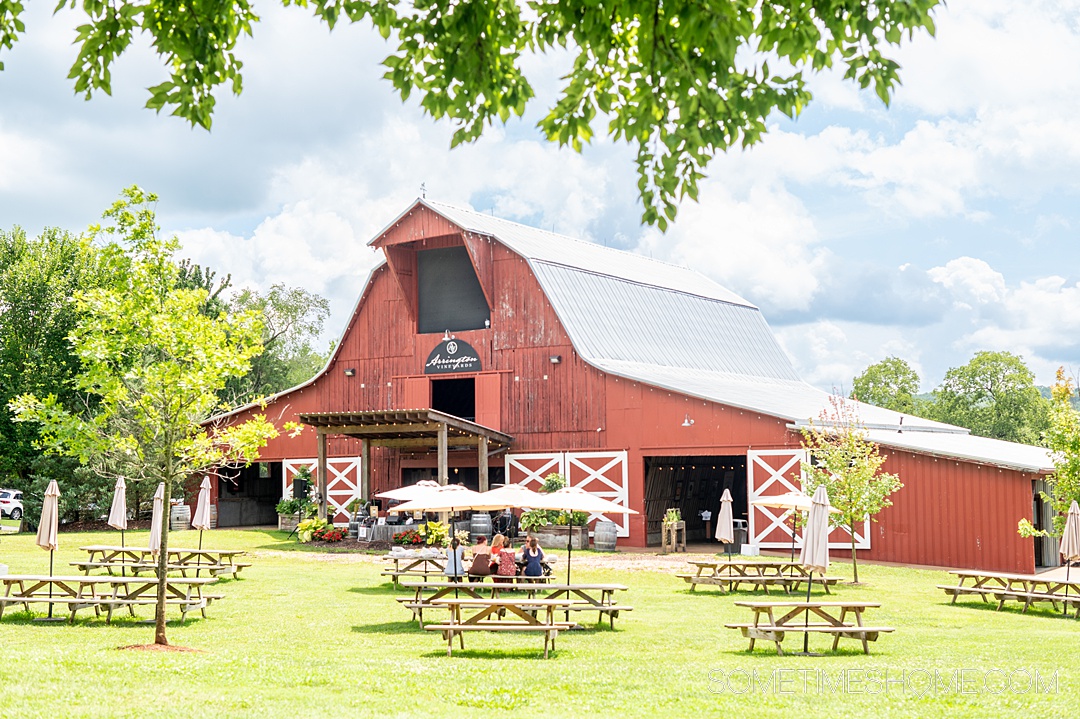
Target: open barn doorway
{"points": [[693, 484]]}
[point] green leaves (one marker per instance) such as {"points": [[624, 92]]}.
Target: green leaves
{"points": [[680, 80]]}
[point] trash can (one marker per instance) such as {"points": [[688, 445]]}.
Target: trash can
{"points": [[740, 532]]}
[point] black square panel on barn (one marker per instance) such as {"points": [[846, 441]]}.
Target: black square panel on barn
{"points": [[450, 296]]}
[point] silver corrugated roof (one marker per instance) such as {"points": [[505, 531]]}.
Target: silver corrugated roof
{"points": [[673, 328]]}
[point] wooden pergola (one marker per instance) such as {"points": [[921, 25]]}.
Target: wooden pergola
{"points": [[405, 429]]}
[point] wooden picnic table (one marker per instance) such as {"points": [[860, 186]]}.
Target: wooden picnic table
{"points": [[214, 561], [730, 574], [809, 617], [424, 567], [1004, 586], [589, 597], [502, 614], [103, 592]]}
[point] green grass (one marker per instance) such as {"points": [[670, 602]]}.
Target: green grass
{"points": [[307, 633]]}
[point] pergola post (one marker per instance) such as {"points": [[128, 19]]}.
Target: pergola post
{"points": [[482, 463], [365, 470], [444, 474], [321, 478]]}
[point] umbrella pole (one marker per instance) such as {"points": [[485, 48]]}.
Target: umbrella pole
{"points": [[569, 550], [123, 559], [1065, 604], [51, 552], [806, 622], [793, 543], [198, 559]]}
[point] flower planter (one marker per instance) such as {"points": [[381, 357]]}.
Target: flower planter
{"points": [[286, 522], [553, 536]]}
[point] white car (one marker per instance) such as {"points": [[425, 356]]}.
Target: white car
{"points": [[11, 503]]}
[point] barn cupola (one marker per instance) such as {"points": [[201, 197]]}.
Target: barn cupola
{"points": [[443, 271]]}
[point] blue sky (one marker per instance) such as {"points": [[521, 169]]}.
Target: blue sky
{"points": [[941, 226]]}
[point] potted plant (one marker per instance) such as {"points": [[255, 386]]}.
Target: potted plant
{"points": [[551, 527], [290, 511]]}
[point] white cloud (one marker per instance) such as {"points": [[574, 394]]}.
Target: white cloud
{"points": [[971, 281]]}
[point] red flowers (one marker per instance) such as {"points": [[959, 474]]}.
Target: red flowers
{"points": [[408, 538], [330, 533]]}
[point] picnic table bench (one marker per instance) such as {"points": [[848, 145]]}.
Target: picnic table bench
{"points": [[1004, 586], [425, 566], [729, 575], [215, 562], [797, 618], [599, 598], [522, 614], [101, 592]]}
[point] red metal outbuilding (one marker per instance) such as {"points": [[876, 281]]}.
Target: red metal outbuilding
{"points": [[638, 380]]}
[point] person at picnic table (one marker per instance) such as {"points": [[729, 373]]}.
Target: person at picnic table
{"points": [[502, 558], [455, 561], [481, 563], [533, 556]]}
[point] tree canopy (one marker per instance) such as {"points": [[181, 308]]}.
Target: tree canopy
{"points": [[678, 80], [848, 465], [890, 383], [993, 395]]}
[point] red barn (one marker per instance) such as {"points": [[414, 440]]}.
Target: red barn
{"points": [[503, 353]]}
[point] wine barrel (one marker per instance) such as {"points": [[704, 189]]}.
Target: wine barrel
{"points": [[605, 535], [179, 517], [479, 526]]}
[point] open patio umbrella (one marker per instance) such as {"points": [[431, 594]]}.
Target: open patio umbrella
{"points": [[576, 499], [201, 520], [155, 521], [815, 549], [725, 525], [47, 527], [413, 491], [118, 514], [1070, 545]]}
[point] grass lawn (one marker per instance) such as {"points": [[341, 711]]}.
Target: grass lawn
{"points": [[306, 633]]}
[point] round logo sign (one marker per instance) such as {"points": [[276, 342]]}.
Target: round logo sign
{"points": [[451, 348]]}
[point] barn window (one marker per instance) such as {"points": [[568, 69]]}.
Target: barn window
{"points": [[450, 297], [454, 396]]}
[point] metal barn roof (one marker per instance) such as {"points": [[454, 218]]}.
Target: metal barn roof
{"points": [[673, 328]]}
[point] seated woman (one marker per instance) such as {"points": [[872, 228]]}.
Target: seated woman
{"points": [[455, 561], [481, 563], [503, 559], [533, 557]]}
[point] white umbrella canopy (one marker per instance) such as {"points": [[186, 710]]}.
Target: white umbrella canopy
{"points": [[118, 511], [445, 498], [789, 500], [201, 520], [1070, 536], [50, 518], [725, 527], [516, 496], [815, 549], [413, 491], [576, 499], [155, 522]]}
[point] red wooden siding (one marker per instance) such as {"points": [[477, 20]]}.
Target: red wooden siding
{"points": [[949, 513]]}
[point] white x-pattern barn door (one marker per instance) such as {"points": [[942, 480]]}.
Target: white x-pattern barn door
{"points": [[342, 488], [776, 471], [604, 474]]}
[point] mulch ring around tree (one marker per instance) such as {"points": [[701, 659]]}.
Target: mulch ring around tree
{"points": [[159, 648]]}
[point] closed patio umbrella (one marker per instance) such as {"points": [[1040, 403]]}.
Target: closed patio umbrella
{"points": [[1070, 544], [576, 499], [815, 549], [118, 513], [155, 521], [201, 520], [793, 502], [47, 527], [725, 525]]}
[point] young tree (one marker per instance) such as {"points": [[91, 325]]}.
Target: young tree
{"points": [[151, 366], [848, 464], [1063, 440], [993, 395], [679, 80], [890, 383]]}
